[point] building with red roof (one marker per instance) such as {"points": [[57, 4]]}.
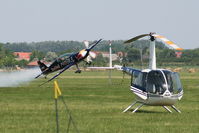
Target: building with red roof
{"points": [[22, 55]]}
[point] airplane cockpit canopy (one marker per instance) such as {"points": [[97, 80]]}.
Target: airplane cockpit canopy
{"points": [[157, 81], [64, 56]]}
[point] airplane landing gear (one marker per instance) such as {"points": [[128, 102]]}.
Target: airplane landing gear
{"points": [[78, 71]]}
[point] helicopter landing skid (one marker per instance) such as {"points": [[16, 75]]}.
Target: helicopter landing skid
{"points": [[165, 107], [177, 110], [172, 106], [129, 106], [133, 105]]}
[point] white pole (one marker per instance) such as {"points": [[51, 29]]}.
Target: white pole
{"points": [[110, 62], [110, 56]]}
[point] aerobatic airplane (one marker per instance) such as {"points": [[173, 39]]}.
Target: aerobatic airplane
{"points": [[65, 61]]}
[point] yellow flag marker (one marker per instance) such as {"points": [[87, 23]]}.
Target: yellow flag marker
{"points": [[57, 90]]}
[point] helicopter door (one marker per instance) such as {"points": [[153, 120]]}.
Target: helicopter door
{"points": [[138, 80], [156, 83]]}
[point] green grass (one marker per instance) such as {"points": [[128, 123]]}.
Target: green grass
{"points": [[96, 106]]}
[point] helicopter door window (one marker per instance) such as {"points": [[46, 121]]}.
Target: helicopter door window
{"points": [[155, 82], [139, 81]]}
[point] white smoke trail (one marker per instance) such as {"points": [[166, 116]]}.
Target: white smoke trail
{"points": [[16, 78]]}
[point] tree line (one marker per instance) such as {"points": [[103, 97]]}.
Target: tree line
{"points": [[136, 53]]}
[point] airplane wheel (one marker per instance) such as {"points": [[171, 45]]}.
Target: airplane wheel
{"points": [[78, 71]]}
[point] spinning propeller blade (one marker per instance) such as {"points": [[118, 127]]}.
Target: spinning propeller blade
{"points": [[86, 43], [92, 54]]}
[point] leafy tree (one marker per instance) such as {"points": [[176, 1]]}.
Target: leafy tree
{"points": [[100, 61], [133, 55], [37, 54], [9, 61], [50, 56], [22, 63]]}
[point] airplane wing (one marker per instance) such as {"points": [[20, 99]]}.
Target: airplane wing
{"points": [[64, 69], [94, 44], [38, 75]]}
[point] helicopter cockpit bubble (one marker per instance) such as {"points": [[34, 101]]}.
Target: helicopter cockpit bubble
{"points": [[157, 82]]}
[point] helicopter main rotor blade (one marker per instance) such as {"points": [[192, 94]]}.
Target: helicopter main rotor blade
{"points": [[136, 38], [168, 42]]}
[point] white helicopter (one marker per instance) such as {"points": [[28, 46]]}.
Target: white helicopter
{"points": [[155, 87]]}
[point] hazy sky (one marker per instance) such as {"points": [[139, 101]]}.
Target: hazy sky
{"points": [[41, 20]]}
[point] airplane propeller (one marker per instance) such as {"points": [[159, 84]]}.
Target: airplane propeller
{"points": [[91, 54], [154, 35]]}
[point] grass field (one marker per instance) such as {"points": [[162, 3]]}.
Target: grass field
{"points": [[96, 107]]}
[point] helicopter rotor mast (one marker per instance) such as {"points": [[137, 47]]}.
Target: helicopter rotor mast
{"points": [[152, 59]]}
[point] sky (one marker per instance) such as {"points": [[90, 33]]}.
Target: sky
{"points": [[44, 20]]}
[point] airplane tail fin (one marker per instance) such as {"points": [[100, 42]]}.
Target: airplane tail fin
{"points": [[42, 66]]}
